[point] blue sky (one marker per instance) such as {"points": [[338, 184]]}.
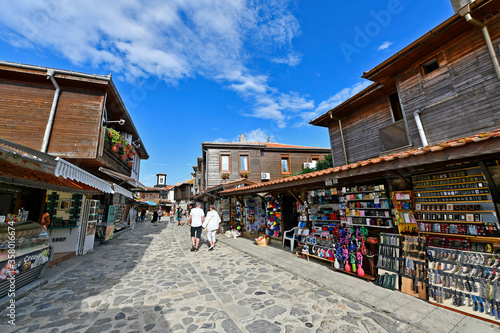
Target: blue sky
{"points": [[191, 71]]}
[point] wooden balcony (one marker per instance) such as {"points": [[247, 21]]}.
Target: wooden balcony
{"points": [[114, 161]]}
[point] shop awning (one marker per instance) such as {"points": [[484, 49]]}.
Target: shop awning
{"points": [[121, 190], [475, 148], [151, 203], [70, 171], [132, 181], [21, 165]]}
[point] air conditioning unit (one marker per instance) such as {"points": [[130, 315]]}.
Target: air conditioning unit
{"points": [[309, 165], [265, 176]]}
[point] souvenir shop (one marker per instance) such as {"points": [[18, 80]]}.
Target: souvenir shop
{"points": [[31, 183], [430, 231]]}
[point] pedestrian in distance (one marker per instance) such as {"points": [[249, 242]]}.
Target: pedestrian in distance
{"points": [[211, 223], [179, 216], [172, 214], [155, 217], [160, 213], [143, 215], [197, 217]]}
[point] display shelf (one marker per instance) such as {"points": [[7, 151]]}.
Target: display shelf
{"points": [[370, 226], [452, 222], [366, 276], [321, 220], [354, 200], [447, 202], [66, 227], [456, 211], [479, 238], [361, 192]]}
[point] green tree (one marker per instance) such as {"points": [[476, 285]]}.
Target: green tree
{"points": [[323, 164]]}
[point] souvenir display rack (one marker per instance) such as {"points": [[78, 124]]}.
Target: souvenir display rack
{"points": [[273, 218], [344, 247], [389, 261], [323, 208], [466, 281], [402, 201], [236, 214], [52, 204], [225, 215], [366, 205], [456, 203], [414, 267]]}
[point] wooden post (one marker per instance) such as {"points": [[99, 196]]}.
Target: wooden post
{"points": [[296, 197]]}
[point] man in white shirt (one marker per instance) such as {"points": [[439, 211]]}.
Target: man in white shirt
{"points": [[197, 218]]}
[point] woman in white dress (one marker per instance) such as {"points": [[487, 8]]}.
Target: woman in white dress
{"points": [[211, 223]]}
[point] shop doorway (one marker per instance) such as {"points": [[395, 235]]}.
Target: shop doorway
{"points": [[289, 213]]}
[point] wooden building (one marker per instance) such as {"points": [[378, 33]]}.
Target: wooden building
{"points": [[228, 161], [444, 83], [183, 193], [67, 114], [417, 158], [79, 123]]}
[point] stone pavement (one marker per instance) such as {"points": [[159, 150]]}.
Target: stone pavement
{"points": [[147, 280]]}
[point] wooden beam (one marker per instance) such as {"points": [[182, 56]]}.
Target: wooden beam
{"points": [[296, 197], [274, 196], [494, 190], [240, 200]]}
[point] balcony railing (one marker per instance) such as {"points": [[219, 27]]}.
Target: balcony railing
{"points": [[116, 161], [394, 136]]}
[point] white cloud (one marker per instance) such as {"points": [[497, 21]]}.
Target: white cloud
{"points": [[335, 100], [258, 135], [384, 45], [293, 59], [172, 40]]}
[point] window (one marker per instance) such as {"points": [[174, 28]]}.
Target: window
{"points": [[397, 114], [244, 164], [225, 163], [430, 66], [315, 160], [285, 165]]}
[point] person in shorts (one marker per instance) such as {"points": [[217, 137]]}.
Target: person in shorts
{"points": [[211, 223], [197, 217]]}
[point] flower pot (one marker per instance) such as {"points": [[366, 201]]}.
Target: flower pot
{"points": [[115, 148], [130, 163], [124, 157], [131, 155]]}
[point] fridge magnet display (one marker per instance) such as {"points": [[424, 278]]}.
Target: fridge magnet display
{"points": [[64, 204]]}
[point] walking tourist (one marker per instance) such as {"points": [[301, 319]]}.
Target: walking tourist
{"points": [[197, 217], [211, 223], [160, 213], [143, 215], [155, 217], [179, 216], [172, 214]]}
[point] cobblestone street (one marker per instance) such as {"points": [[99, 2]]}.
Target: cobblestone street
{"points": [[147, 280]]}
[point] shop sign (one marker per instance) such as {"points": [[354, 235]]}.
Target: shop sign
{"points": [[110, 230], [330, 182], [21, 264]]}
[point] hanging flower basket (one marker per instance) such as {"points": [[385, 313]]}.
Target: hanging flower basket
{"points": [[115, 148], [124, 157], [130, 163]]}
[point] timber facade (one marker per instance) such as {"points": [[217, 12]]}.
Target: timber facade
{"points": [[260, 161], [445, 78], [84, 108]]}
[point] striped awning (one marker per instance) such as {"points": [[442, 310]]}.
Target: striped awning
{"points": [[70, 171], [121, 190]]}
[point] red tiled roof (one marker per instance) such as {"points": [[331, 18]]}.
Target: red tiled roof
{"points": [[405, 154], [267, 144]]}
